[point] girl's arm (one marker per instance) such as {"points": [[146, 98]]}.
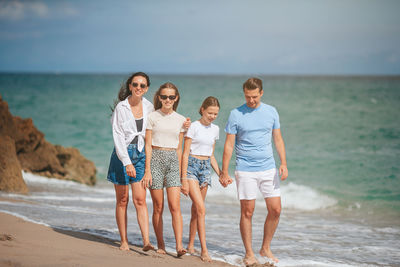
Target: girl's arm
{"points": [[185, 187], [147, 179], [179, 152], [185, 156], [214, 163]]}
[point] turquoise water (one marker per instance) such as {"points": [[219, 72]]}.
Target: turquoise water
{"points": [[342, 133], [342, 138]]}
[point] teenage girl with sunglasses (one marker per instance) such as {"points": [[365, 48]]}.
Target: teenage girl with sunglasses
{"points": [[198, 158], [127, 161], [164, 139]]}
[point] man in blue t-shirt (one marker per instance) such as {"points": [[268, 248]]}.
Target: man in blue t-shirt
{"points": [[249, 129]]}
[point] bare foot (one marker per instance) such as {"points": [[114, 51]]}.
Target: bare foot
{"points": [[124, 246], [148, 247], [248, 261], [268, 253], [180, 252], [161, 251], [192, 250], [205, 257]]}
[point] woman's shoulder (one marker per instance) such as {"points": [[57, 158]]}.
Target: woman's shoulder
{"points": [[120, 105], [153, 113], [179, 116], [148, 104]]}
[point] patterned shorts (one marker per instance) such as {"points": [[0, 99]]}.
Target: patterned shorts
{"points": [[164, 169]]}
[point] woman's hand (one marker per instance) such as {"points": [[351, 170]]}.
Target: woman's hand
{"points": [[187, 123], [147, 180], [185, 187], [130, 170]]}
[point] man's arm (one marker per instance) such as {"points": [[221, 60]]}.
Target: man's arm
{"points": [[280, 148], [224, 178]]}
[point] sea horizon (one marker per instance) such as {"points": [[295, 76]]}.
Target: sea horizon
{"points": [[294, 75]]}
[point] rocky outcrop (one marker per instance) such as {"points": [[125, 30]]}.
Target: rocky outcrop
{"points": [[38, 156], [10, 169], [77, 166]]}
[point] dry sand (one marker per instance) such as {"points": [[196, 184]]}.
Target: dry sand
{"points": [[24, 243]]}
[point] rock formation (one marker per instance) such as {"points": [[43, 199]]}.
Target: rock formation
{"points": [[10, 169], [38, 156]]}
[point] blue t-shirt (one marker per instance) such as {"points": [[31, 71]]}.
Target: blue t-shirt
{"points": [[253, 130]]}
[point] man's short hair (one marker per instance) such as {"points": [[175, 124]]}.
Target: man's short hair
{"points": [[253, 83]]}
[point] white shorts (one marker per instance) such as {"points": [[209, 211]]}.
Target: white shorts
{"points": [[266, 181]]}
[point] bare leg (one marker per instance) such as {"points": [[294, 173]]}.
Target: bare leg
{"points": [[157, 195], [139, 200], [271, 223], [173, 194], [247, 209], [192, 230], [121, 214], [197, 197]]}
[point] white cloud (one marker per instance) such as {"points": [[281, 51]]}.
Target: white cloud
{"points": [[17, 10], [68, 10], [12, 10], [38, 8]]}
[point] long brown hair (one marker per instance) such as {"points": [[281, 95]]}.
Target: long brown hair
{"points": [[124, 91], [208, 102], [156, 99]]}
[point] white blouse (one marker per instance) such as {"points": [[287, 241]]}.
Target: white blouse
{"points": [[124, 128]]}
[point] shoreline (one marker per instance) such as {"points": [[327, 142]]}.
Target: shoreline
{"points": [[24, 243]]}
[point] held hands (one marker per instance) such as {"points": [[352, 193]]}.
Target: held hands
{"points": [[224, 179], [185, 186], [130, 170], [283, 172]]}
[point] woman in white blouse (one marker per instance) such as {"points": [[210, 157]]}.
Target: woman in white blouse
{"points": [[127, 163]]}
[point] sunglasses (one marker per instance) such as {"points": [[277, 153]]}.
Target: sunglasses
{"points": [[142, 85], [171, 97]]}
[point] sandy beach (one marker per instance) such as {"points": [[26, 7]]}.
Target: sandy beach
{"points": [[24, 243]]}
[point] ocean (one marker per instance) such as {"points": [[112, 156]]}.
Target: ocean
{"points": [[341, 202]]}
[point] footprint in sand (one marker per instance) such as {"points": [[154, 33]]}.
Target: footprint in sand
{"points": [[6, 237]]}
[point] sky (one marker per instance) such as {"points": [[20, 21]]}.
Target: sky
{"points": [[326, 37]]}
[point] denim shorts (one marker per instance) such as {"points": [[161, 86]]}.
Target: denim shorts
{"points": [[117, 171], [199, 170]]}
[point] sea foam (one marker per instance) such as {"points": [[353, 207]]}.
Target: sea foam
{"points": [[294, 196], [301, 197]]}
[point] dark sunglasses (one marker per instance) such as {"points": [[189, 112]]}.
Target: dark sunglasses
{"points": [[171, 97], [142, 85]]}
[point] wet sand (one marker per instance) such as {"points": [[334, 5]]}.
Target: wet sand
{"points": [[24, 243]]}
